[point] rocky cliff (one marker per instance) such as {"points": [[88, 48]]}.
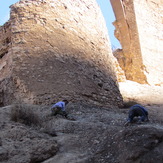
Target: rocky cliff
{"points": [[57, 49]]}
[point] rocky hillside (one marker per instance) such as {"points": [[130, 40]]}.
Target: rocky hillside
{"points": [[93, 135]]}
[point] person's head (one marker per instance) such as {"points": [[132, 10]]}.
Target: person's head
{"points": [[66, 102]]}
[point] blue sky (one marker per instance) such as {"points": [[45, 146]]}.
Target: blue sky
{"points": [[108, 14], [104, 5]]}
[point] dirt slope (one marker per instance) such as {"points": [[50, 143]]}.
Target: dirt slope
{"points": [[96, 136]]}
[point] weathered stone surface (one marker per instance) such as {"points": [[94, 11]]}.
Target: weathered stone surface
{"points": [[126, 32], [149, 17], [118, 54], [5, 51], [60, 49], [139, 30]]}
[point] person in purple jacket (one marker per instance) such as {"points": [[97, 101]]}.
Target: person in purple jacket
{"points": [[137, 111], [60, 108]]}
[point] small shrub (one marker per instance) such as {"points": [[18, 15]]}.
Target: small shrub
{"points": [[25, 114]]}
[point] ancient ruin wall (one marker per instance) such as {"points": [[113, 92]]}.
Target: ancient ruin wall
{"points": [[5, 51], [60, 49], [127, 33], [138, 27], [5, 58], [149, 18]]}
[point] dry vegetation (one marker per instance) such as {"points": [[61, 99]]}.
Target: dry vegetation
{"points": [[25, 114], [30, 115]]}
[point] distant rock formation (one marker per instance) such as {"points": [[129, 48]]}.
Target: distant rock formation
{"points": [[139, 30], [52, 50]]}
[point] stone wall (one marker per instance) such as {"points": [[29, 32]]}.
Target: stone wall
{"points": [[60, 49], [138, 28], [126, 32], [5, 60], [149, 18], [5, 51]]}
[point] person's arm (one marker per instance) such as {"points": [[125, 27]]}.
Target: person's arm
{"points": [[127, 122], [142, 118], [63, 106], [52, 106], [65, 114]]}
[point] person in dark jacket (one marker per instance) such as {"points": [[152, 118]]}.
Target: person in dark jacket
{"points": [[59, 108], [137, 111]]}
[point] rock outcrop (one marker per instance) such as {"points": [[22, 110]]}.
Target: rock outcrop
{"points": [[57, 49], [139, 30]]}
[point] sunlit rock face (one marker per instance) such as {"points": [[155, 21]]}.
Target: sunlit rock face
{"points": [[149, 21], [58, 50], [139, 29]]}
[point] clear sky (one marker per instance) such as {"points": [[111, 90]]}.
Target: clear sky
{"points": [[108, 14], [104, 5]]}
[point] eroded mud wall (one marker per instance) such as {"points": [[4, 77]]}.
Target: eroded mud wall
{"points": [[5, 62], [127, 33], [139, 30], [61, 50], [5, 51], [149, 18]]}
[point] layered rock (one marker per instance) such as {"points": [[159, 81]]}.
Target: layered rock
{"points": [[59, 49], [138, 28]]}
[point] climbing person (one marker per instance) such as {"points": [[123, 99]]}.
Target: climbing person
{"points": [[137, 111], [60, 108]]}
